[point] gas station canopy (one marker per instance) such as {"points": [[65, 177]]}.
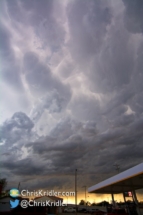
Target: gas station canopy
{"points": [[129, 180]]}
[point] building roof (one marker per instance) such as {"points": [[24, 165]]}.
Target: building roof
{"points": [[8, 198], [5, 199], [48, 198], [56, 198], [0, 188], [131, 179]]}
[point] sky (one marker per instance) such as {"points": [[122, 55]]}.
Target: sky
{"points": [[71, 91]]}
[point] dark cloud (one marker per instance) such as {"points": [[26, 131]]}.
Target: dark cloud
{"points": [[10, 69], [91, 110], [46, 26], [124, 120], [107, 71], [26, 164], [13, 129], [57, 183], [53, 102], [59, 156], [40, 78], [134, 16], [87, 27], [22, 121], [72, 82], [5, 41]]}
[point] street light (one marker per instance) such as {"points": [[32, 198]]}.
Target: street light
{"points": [[76, 190], [18, 186], [85, 194], [88, 204]]}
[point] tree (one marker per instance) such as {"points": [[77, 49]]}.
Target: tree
{"points": [[3, 184], [88, 203], [93, 204], [82, 202]]}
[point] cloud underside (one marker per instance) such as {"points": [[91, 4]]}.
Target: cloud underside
{"points": [[72, 90]]}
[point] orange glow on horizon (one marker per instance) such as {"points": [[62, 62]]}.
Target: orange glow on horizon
{"points": [[99, 198]]}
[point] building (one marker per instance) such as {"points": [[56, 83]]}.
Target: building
{"points": [[126, 182], [54, 202], [5, 204]]}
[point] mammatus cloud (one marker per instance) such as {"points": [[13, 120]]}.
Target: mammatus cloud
{"points": [[72, 90]]}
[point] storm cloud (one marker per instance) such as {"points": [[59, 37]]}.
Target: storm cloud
{"points": [[71, 90]]}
